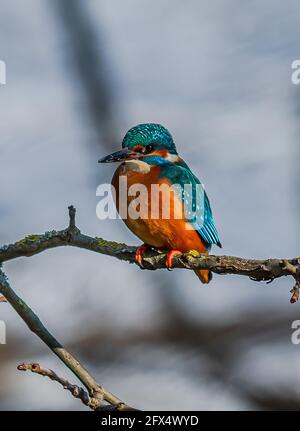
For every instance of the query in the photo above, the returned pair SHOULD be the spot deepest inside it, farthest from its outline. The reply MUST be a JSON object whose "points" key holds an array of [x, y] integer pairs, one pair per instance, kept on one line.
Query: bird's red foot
{"points": [[139, 253], [170, 255]]}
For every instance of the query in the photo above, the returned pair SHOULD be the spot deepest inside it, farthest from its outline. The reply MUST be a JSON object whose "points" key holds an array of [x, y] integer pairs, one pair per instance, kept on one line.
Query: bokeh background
{"points": [[218, 76]]}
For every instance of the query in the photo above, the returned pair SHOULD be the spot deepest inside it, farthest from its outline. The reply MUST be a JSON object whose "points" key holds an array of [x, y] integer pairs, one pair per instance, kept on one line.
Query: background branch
{"points": [[96, 391]]}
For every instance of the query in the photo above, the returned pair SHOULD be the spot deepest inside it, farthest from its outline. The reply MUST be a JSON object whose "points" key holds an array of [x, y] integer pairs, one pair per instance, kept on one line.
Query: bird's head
{"points": [[145, 141]]}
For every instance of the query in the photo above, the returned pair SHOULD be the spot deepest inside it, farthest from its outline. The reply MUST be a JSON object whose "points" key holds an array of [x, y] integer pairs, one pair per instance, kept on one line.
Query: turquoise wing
{"points": [[196, 203]]}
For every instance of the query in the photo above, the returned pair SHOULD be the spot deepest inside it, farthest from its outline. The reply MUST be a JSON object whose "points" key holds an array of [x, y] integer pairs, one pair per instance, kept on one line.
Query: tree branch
{"points": [[258, 270]]}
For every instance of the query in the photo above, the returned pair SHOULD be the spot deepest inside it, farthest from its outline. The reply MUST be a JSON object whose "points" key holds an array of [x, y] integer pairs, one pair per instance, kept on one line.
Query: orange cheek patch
{"points": [[161, 153]]}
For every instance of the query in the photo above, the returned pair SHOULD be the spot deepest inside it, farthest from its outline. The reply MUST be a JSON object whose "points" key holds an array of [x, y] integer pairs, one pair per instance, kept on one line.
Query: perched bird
{"points": [[149, 157]]}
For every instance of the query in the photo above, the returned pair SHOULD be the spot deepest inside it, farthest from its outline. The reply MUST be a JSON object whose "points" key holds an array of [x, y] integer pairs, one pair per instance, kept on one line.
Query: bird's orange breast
{"points": [[161, 222]]}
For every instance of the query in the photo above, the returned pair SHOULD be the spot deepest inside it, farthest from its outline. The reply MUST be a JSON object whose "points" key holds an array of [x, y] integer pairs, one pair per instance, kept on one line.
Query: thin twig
{"points": [[76, 391]]}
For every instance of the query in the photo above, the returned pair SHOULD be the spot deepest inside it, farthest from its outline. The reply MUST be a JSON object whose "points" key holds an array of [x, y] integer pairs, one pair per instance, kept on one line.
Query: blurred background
{"points": [[218, 76]]}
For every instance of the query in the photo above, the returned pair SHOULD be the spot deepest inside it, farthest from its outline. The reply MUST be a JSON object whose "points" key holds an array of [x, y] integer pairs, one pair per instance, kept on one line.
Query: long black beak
{"points": [[120, 156]]}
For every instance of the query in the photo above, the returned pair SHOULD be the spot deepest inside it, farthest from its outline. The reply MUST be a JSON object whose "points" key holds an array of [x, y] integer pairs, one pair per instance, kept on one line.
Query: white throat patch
{"points": [[137, 166], [172, 158]]}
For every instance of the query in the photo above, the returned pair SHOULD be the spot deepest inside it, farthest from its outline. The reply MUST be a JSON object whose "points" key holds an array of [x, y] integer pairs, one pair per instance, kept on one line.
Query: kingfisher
{"points": [[149, 158]]}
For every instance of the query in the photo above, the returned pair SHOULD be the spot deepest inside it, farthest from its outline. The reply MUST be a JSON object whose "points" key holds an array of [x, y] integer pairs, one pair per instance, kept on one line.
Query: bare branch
{"points": [[258, 270]]}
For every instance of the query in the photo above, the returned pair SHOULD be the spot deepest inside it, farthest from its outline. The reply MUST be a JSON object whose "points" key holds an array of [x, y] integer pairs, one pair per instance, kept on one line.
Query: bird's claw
{"points": [[139, 254], [169, 258]]}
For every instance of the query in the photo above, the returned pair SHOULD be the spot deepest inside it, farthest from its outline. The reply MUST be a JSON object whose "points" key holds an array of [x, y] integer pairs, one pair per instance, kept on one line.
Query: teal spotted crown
{"points": [[149, 134]]}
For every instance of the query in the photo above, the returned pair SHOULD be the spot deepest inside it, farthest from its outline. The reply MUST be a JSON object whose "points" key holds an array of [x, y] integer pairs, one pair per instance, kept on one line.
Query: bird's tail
{"points": [[204, 275]]}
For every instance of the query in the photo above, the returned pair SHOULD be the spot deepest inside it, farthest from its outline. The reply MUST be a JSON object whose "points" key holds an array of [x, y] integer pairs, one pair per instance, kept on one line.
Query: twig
{"points": [[76, 391]]}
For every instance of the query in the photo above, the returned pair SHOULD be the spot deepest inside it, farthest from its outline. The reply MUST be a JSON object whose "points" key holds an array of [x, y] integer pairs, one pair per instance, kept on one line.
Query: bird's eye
{"points": [[149, 148]]}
